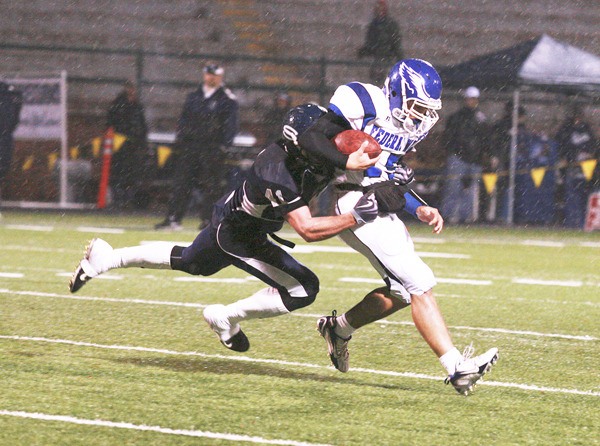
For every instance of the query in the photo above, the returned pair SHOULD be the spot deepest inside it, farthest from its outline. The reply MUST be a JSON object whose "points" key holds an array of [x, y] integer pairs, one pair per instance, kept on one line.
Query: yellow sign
{"points": [[588, 168], [28, 162], [163, 153], [52, 160], [96, 144], [118, 141], [537, 175], [489, 181]]}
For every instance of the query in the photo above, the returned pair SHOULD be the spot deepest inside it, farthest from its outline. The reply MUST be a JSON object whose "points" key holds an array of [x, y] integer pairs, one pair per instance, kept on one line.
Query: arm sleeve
{"points": [[316, 141], [411, 204]]}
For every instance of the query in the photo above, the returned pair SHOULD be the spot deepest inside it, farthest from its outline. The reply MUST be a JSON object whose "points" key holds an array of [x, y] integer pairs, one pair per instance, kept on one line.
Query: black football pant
{"points": [[217, 247]]}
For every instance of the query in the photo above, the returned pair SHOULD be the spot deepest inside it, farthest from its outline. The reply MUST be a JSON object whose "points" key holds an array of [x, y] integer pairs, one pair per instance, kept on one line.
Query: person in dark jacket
{"points": [[126, 117], [383, 42], [208, 122], [11, 101], [576, 143], [464, 139], [496, 159]]}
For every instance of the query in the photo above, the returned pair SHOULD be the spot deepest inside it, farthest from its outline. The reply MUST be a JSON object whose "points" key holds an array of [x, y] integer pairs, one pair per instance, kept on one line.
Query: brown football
{"points": [[349, 141]]}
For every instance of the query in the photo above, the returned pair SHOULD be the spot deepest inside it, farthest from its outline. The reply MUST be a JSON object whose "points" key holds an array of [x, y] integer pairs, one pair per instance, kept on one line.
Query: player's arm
{"points": [[417, 207], [314, 229], [316, 141]]}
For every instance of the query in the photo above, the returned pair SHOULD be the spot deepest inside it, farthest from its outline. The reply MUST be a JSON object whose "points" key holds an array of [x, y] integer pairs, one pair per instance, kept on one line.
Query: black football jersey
{"points": [[276, 185]]}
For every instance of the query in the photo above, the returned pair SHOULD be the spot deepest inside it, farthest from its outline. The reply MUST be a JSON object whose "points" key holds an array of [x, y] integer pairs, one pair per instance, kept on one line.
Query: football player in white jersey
{"points": [[398, 116]]}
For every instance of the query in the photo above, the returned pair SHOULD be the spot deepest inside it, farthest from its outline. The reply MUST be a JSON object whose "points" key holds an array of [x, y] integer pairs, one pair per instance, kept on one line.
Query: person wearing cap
{"points": [[209, 121], [464, 139]]}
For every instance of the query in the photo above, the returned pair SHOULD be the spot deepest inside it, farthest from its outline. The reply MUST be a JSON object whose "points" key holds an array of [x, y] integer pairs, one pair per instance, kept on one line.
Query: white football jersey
{"points": [[366, 108]]}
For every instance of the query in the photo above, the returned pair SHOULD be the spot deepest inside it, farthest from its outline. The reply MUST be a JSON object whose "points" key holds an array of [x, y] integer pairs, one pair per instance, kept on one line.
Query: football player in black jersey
{"points": [[281, 183]]}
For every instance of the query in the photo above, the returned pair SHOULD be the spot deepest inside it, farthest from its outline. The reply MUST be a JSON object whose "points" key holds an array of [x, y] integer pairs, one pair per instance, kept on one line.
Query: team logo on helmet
{"points": [[414, 90]]}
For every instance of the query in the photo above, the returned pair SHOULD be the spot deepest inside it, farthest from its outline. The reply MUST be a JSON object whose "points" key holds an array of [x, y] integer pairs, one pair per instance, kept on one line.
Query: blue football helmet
{"points": [[299, 119], [414, 90]]}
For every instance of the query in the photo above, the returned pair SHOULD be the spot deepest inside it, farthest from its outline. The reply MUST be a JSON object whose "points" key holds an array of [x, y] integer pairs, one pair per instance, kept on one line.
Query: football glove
{"points": [[402, 174], [366, 209]]}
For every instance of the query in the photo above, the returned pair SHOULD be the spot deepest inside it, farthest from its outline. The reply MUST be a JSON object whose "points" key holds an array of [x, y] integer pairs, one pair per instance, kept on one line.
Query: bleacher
{"points": [[443, 33], [101, 44]]}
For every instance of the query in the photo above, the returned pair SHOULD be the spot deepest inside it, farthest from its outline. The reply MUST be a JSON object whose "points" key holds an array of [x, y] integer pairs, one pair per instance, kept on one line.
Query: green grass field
{"points": [[129, 360]]}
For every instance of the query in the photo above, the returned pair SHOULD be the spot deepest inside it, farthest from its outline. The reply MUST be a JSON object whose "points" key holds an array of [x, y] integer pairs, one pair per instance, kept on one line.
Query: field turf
{"points": [[128, 360]]}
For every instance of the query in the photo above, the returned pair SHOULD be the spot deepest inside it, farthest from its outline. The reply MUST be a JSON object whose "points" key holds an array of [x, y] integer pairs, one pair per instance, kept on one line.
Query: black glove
{"points": [[389, 196], [402, 174], [366, 209]]}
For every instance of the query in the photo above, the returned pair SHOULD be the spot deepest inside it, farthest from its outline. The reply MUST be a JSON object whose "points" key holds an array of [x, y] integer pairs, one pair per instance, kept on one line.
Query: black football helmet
{"points": [[299, 119]]}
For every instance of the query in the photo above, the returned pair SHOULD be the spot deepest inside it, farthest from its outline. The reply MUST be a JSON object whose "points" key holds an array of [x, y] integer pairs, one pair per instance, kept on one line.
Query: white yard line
{"points": [[209, 280], [439, 279], [296, 314], [11, 275], [531, 387], [565, 283], [98, 230], [543, 243], [158, 429], [37, 228]]}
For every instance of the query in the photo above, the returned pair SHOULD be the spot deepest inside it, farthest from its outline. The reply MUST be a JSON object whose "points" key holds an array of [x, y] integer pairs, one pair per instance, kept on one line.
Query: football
{"points": [[349, 141]]}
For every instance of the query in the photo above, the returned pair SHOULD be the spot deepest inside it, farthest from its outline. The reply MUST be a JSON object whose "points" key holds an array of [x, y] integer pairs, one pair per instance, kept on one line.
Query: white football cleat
{"points": [[470, 370], [337, 347], [231, 336], [96, 260]]}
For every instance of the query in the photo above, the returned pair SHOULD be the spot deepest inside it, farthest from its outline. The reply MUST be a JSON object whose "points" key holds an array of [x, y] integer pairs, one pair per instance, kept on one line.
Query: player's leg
{"points": [[291, 284], [203, 257], [337, 330], [389, 247], [99, 257]]}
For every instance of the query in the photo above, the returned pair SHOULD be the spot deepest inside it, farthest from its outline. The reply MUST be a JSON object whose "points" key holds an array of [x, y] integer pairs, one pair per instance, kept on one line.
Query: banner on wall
{"points": [[43, 108]]}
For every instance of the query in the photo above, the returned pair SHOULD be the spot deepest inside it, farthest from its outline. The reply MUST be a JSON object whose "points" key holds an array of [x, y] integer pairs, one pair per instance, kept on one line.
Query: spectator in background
{"points": [[383, 42], [126, 117], [576, 143], [496, 159], [273, 117], [11, 101], [208, 122], [533, 204], [464, 139]]}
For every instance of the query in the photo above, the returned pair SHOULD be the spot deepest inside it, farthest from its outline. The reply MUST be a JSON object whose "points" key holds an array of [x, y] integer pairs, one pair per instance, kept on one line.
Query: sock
{"points": [[343, 329], [262, 304], [450, 359], [152, 255]]}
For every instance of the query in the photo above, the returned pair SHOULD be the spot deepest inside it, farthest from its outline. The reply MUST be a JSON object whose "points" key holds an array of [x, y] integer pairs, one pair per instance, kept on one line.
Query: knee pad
{"points": [[293, 303], [310, 284]]}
